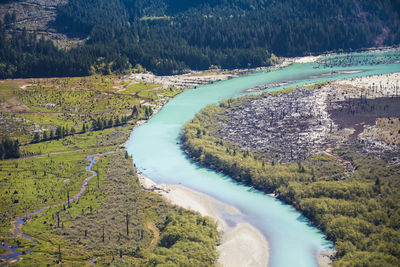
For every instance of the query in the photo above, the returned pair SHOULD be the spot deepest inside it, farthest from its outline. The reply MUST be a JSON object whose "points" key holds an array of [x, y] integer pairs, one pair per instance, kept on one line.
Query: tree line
{"points": [[173, 36], [9, 149], [359, 214], [96, 125], [101, 123]]}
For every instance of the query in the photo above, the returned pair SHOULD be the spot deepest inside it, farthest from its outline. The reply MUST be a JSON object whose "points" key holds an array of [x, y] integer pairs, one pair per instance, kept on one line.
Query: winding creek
{"points": [[157, 153], [17, 225], [155, 147]]}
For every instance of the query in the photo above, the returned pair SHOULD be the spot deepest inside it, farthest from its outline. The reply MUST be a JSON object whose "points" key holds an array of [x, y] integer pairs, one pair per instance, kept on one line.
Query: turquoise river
{"points": [[156, 151]]}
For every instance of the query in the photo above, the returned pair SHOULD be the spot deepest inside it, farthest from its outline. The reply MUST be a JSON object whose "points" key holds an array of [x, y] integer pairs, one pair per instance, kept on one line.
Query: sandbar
{"points": [[241, 245]]}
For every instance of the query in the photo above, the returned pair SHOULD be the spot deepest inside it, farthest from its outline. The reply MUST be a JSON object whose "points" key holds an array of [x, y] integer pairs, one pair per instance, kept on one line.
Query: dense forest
{"points": [[9, 149], [173, 36], [360, 214]]}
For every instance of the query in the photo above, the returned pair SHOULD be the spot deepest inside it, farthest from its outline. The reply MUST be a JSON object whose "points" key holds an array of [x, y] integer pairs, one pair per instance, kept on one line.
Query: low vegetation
{"points": [[46, 109], [114, 222], [109, 225], [359, 212]]}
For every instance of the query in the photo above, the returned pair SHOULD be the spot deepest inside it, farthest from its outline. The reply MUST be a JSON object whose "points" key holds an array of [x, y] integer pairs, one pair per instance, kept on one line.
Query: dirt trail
{"points": [[48, 154], [348, 166], [156, 233]]}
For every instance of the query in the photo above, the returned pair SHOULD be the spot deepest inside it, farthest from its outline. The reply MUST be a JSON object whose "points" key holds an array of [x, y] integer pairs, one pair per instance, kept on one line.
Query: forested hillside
{"points": [[171, 36]]}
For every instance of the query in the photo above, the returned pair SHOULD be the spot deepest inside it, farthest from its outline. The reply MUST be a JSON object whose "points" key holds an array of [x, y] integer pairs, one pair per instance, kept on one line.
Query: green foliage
{"points": [[186, 241], [169, 37], [137, 87], [56, 108], [148, 95], [49, 99], [115, 222], [30, 184], [95, 226], [58, 166], [138, 69], [360, 214], [9, 149], [110, 67], [6, 91]]}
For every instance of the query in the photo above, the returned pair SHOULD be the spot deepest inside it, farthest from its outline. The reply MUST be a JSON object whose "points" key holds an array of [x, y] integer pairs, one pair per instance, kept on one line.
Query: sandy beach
{"points": [[325, 258], [241, 245]]}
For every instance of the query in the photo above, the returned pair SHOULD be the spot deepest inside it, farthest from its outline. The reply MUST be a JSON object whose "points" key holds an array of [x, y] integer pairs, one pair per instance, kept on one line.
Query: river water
{"points": [[157, 154]]}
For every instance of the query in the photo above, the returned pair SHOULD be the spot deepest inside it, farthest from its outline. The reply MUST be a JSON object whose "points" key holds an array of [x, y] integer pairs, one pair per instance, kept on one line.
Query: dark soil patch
{"points": [[356, 113]]}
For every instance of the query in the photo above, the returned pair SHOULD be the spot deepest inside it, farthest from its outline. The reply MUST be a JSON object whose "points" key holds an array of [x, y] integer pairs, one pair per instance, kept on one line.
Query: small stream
{"points": [[155, 147], [13, 253]]}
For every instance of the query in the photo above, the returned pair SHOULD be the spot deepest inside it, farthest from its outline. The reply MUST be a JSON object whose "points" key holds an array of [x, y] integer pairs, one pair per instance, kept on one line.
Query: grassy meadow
{"points": [[115, 222], [30, 106]]}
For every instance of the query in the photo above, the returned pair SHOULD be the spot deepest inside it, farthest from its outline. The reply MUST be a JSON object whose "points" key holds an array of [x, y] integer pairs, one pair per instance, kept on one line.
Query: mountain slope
{"points": [[170, 36]]}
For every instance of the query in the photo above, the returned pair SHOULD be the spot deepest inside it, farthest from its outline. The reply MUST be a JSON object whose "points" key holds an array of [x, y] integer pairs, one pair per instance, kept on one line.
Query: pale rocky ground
{"points": [[243, 245], [291, 129], [36, 17], [185, 81], [384, 134], [309, 59], [297, 124], [194, 79], [385, 85], [325, 259]]}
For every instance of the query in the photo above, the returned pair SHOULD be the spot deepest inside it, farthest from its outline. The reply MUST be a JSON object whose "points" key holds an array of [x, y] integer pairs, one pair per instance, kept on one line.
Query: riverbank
{"points": [[231, 139], [195, 79], [241, 244], [287, 61], [371, 87], [325, 258], [57, 171]]}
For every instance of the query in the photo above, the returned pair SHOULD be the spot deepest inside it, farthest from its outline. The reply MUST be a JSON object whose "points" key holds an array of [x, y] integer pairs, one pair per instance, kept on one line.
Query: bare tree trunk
{"points": [[127, 224], [68, 198]]}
